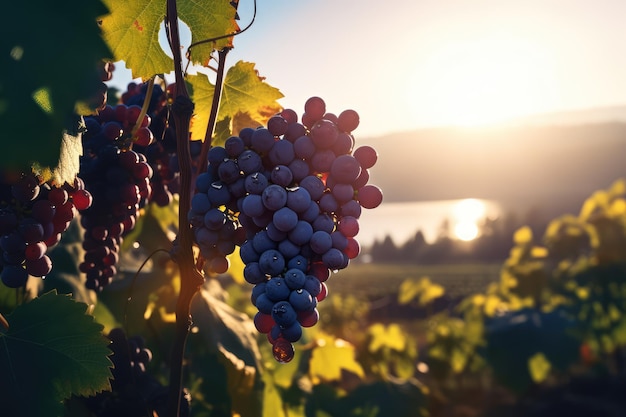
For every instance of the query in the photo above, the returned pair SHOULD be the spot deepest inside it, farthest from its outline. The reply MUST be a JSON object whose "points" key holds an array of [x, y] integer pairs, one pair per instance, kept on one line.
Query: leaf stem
{"points": [[144, 108]]}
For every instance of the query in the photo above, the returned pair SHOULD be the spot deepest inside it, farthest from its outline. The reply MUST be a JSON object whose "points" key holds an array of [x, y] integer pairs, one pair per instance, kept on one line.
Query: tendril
{"points": [[132, 284], [217, 38]]}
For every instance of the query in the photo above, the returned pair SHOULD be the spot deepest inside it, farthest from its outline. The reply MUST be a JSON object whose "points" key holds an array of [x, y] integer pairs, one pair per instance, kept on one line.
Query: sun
{"points": [[466, 230], [483, 81]]}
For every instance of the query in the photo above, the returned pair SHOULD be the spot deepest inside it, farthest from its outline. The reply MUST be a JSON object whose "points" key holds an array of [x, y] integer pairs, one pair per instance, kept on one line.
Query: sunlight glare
{"points": [[467, 213]]}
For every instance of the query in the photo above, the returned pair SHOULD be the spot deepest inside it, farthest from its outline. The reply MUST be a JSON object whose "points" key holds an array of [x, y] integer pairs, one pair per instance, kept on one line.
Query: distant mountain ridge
{"points": [[603, 114], [553, 161]]}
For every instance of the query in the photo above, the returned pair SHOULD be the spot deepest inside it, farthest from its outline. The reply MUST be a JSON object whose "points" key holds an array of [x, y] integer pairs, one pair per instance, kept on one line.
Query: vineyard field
{"points": [[377, 280]]}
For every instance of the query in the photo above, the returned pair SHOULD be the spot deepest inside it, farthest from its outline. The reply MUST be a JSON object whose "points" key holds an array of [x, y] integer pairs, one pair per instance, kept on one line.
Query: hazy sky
{"points": [[406, 64], [410, 63]]}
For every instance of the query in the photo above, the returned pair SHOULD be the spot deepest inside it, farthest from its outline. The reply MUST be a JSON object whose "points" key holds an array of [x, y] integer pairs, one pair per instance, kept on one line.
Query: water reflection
{"points": [[460, 219], [467, 215]]}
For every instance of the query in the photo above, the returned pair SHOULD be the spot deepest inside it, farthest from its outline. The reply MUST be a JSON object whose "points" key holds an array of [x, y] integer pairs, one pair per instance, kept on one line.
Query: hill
{"points": [[521, 166]]}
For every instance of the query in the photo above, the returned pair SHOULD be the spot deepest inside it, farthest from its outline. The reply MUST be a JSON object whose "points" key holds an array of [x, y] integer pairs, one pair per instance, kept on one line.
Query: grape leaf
{"points": [[46, 69], [244, 92], [69, 161], [330, 357], [132, 31], [51, 351], [207, 20], [390, 337], [539, 367], [230, 335]]}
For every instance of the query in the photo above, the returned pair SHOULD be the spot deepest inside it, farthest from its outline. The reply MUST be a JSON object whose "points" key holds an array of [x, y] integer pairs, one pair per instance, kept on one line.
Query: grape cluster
{"points": [[119, 180], [296, 190], [162, 152], [32, 218], [134, 392]]}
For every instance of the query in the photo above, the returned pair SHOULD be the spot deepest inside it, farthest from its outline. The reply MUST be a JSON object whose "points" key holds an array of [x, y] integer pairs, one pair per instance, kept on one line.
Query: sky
{"points": [[410, 64]]}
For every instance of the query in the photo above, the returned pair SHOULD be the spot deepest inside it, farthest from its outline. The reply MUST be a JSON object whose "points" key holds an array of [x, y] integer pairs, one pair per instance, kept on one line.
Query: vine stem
{"points": [[215, 104], [191, 279]]}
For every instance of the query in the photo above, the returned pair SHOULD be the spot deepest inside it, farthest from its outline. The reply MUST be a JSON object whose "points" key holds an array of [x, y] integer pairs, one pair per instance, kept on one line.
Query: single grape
{"points": [[366, 155], [277, 125], [348, 120], [370, 196], [315, 107], [283, 350]]}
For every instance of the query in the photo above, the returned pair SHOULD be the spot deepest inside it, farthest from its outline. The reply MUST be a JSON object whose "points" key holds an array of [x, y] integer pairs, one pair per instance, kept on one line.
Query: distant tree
{"points": [[410, 251], [385, 251]]}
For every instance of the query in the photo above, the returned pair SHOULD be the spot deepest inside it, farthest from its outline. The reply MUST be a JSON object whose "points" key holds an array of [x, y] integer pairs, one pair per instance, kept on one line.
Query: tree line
{"points": [[492, 245]]}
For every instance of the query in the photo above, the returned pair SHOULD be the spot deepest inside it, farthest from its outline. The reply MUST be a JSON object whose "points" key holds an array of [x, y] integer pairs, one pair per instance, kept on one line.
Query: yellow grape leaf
{"points": [[539, 252], [247, 92], [201, 92], [423, 289], [430, 292], [523, 236], [390, 337], [617, 208], [330, 358], [618, 188], [409, 289], [244, 92], [458, 360], [539, 367], [132, 28]]}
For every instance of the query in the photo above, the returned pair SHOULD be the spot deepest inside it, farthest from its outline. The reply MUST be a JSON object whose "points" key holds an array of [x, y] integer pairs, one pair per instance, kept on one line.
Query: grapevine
{"points": [[288, 195]]}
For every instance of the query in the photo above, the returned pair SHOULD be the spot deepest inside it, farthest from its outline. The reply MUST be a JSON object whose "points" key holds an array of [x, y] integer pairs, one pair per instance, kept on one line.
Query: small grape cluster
{"points": [[296, 190], [162, 153], [32, 218], [119, 180], [134, 392]]}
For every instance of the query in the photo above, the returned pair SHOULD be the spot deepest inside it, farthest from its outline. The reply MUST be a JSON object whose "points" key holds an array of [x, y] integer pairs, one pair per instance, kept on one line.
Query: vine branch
{"points": [[191, 278]]}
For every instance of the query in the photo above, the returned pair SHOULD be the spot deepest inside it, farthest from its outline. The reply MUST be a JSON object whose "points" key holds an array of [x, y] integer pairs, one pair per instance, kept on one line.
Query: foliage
{"points": [[65, 350], [244, 96], [551, 301], [132, 32], [37, 106]]}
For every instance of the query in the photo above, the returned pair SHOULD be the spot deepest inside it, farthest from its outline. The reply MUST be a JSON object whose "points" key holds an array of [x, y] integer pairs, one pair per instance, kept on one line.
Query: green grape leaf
{"points": [[132, 31], [207, 20], [244, 92], [67, 168], [52, 350], [330, 358], [229, 336], [46, 70]]}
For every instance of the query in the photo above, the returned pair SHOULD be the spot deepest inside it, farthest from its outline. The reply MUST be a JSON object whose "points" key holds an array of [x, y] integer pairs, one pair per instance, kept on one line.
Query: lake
{"points": [[401, 220]]}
